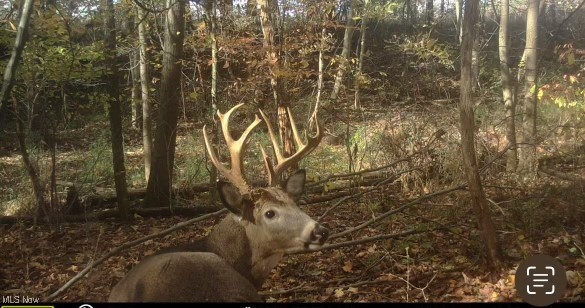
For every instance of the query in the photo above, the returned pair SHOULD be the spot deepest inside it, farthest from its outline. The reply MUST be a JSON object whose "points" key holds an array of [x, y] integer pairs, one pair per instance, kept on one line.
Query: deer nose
{"points": [[319, 234]]}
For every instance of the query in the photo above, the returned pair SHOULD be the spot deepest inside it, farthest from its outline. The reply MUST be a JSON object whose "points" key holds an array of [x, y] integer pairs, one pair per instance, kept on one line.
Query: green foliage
{"points": [[97, 167], [568, 93], [426, 49], [190, 168]]}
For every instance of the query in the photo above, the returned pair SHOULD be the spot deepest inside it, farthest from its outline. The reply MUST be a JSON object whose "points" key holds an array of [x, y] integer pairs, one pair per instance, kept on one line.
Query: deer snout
{"points": [[319, 234]]}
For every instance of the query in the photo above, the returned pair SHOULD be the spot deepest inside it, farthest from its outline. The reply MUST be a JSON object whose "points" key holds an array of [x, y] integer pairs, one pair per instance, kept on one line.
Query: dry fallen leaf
{"points": [[573, 278], [339, 293], [348, 267]]}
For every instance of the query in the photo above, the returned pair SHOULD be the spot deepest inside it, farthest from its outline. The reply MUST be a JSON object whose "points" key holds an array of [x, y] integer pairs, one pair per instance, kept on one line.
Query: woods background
{"points": [[454, 145]]}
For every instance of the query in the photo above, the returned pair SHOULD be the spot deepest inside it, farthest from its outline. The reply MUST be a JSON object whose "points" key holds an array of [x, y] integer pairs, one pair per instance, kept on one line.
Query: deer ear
{"points": [[230, 197], [295, 184], [233, 201]]}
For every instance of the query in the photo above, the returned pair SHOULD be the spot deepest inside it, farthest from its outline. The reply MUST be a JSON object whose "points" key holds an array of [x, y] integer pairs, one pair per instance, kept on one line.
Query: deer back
{"points": [[184, 277]]}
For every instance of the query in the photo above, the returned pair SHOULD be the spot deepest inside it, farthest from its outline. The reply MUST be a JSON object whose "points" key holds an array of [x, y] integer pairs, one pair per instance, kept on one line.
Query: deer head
{"points": [[273, 221]]}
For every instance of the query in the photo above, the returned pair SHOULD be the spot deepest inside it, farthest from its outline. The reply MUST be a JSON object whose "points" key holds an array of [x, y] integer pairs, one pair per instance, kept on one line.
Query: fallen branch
{"points": [[363, 192], [125, 246], [113, 213], [325, 198], [357, 242], [561, 175], [436, 135], [313, 289], [396, 210], [109, 196]]}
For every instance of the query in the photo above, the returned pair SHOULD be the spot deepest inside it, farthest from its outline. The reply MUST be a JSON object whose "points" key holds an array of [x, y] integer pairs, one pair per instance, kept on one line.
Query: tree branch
{"points": [[358, 241], [396, 210], [569, 17], [145, 8], [12, 65]]}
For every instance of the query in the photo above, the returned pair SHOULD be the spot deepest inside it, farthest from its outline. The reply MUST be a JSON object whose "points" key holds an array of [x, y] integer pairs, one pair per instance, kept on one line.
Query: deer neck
{"points": [[244, 252]]}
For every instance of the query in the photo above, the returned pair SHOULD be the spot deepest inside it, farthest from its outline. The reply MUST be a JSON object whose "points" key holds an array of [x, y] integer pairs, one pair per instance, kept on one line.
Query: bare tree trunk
{"points": [[135, 91], [345, 52], [146, 102], [357, 103], [430, 11], [251, 7], [459, 18], [467, 119], [527, 148], [43, 209], [159, 189], [553, 13], [12, 65], [267, 9], [327, 11], [212, 16], [322, 49], [412, 11], [507, 87], [114, 109], [475, 65]]}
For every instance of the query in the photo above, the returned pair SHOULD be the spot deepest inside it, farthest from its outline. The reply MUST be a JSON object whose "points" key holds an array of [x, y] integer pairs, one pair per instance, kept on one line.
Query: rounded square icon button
{"points": [[541, 280]]}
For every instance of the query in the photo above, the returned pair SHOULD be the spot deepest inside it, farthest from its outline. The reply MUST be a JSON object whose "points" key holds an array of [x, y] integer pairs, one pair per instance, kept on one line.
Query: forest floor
{"points": [[442, 262]]}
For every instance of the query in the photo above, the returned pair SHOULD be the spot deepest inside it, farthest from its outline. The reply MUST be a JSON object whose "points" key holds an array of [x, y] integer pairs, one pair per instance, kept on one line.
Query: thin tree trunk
{"points": [[475, 65], [322, 48], [146, 102], [267, 9], [345, 52], [459, 18], [251, 7], [158, 191], [413, 11], [467, 119], [213, 20], [114, 109], [12, 65], [507, 87], [327, 12], [430, 11], [43, 209], [357, 103], [135, 92], [527, 148]]}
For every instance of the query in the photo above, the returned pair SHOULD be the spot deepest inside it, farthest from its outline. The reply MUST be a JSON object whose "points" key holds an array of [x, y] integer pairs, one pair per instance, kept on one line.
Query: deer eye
{"points": [[269, 214]]}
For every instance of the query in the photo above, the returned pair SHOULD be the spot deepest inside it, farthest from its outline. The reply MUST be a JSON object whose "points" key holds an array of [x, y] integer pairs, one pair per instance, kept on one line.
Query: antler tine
{"points": [[237, 148], [275, 172]]}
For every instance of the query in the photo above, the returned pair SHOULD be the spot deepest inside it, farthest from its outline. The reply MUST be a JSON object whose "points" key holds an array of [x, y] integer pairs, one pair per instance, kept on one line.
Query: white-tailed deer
{"points": [[232, 262]]}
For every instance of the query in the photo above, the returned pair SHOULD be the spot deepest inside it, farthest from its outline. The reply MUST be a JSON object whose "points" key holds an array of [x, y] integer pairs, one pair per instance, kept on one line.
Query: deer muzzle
{"points": [[319, 235]]}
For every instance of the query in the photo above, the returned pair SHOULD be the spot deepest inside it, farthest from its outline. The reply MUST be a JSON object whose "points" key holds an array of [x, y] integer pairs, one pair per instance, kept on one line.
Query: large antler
{"points": [[237, 148], [275, 172]]}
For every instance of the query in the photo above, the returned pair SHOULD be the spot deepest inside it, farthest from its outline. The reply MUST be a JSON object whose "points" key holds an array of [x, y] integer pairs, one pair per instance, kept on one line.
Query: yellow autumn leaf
{"points": [[339, 293], [573, 79], [571, 58]]}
